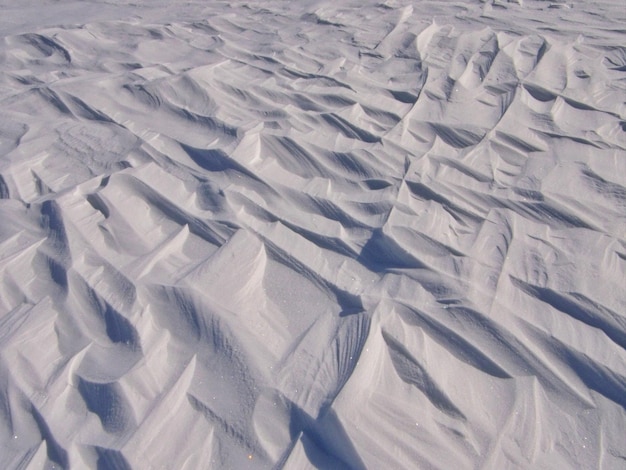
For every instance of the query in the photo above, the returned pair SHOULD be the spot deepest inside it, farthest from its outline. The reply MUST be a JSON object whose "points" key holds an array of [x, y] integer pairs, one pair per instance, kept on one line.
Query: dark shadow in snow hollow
{"points": [[325, 440]]}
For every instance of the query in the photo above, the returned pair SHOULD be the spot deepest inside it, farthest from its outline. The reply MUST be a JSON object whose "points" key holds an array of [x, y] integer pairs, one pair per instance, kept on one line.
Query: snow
{"points": [[312, 234]]}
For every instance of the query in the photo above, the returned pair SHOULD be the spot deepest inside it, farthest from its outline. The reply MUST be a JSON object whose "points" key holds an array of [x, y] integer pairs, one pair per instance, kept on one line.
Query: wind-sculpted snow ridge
{"points": [[313, 235]]}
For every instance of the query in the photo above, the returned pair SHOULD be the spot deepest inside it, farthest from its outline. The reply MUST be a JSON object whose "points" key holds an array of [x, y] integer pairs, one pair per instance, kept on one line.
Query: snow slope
{"points": [[312, 235]]}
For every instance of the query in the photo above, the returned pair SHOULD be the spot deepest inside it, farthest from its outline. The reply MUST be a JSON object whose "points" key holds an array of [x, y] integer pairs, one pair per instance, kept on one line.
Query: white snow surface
{"points": [[312, 234]]}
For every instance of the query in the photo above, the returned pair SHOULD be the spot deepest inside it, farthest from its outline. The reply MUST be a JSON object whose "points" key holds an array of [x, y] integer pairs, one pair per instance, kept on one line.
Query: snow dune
{"points": [[312, 235]]}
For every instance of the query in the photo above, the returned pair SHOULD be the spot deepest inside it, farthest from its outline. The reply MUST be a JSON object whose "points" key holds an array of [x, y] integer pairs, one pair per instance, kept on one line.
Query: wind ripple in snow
{"points": [[269, 235]]}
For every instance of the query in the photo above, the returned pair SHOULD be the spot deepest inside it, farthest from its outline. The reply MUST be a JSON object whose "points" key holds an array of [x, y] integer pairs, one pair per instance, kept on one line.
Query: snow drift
{"points": [[312, 235]]}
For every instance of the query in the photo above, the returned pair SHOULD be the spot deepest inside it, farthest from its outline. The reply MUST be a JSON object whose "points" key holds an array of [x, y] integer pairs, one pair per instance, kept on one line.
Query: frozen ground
{"points": [[316, 234]]}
